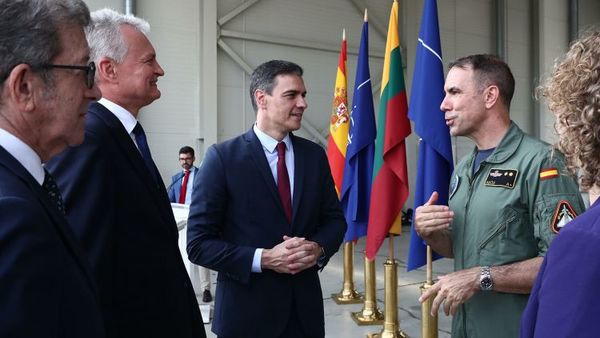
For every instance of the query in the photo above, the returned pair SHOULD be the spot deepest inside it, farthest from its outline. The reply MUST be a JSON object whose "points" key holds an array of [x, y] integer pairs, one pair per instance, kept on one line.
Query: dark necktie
{"points": [[283, 182], [52, 189], [183, 190], [142, 143]]}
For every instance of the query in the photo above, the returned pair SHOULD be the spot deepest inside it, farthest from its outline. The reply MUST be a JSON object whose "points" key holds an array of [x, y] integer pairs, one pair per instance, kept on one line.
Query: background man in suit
{"points": [[265, 215], [116, 201], [46, 84], [180, 191]]}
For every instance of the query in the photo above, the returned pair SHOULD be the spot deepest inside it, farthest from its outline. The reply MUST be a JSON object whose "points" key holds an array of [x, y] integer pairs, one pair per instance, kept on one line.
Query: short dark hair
{"points": [[263, 77], [29, 31], [186, 150], [489, 70]]}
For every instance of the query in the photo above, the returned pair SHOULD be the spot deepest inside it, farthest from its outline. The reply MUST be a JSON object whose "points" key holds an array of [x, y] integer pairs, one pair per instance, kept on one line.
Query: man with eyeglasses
{"points": [[116, 200], [45, 279], [180, 191]]}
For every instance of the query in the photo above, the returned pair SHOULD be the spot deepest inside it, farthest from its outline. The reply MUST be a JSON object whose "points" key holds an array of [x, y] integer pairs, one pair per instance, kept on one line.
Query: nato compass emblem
{"points": [[454, 185]]}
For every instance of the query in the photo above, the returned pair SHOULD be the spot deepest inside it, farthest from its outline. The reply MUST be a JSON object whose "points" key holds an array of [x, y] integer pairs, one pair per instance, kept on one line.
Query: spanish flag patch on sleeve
{"points": [[548, 173]]}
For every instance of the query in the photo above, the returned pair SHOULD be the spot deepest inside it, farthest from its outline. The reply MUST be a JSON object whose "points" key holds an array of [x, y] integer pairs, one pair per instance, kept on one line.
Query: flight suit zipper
{"points": [[466, 213]]}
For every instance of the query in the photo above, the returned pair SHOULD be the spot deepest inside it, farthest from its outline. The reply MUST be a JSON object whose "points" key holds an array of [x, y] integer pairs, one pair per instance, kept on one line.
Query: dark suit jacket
{"points": [[46, 286], [237, 209], [125, 222], [176, 181]]}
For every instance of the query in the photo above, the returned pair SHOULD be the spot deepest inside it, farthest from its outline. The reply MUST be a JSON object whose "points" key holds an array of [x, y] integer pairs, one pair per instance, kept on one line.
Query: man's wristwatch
{"points": [[485, 279]]}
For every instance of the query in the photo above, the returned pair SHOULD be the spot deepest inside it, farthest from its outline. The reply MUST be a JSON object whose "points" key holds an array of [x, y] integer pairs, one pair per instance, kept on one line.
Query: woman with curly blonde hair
{"points": [[565, 300]]}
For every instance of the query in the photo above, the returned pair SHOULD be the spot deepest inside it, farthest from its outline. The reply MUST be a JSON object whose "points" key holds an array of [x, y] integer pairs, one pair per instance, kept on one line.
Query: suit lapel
{"points": [[177, 186], [299, 167], [58, 220], [260, 160], [124, 141]]}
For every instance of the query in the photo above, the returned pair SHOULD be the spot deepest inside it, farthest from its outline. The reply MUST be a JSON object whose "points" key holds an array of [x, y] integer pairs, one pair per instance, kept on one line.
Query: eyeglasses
{"points": [[90, 71]]}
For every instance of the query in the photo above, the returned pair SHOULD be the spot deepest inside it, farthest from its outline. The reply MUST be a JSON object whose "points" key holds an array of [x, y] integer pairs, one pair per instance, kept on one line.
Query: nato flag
{"points": [[358, 170], [435, 164]]}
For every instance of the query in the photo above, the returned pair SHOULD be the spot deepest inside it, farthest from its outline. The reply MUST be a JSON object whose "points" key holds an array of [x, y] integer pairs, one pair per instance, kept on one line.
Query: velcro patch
{"points": [[563, 214], [548, 173], [505, 178]]}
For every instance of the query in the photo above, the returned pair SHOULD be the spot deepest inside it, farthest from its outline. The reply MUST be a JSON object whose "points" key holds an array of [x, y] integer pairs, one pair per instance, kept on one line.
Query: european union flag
{"points": [[435, 164], [358, 170]]}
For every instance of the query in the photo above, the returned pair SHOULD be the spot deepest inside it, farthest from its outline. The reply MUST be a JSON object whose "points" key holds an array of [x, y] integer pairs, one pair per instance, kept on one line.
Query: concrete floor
{"points": [[339, 324]]}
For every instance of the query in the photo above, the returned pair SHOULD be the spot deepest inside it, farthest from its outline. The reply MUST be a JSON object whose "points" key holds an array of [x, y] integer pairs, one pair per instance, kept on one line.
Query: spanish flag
{"points": [[390, 175], [339, 122]]}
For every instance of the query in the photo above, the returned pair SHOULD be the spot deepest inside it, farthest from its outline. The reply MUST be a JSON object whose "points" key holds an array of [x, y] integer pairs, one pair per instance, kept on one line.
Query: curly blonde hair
{"points": [[573, 95]]}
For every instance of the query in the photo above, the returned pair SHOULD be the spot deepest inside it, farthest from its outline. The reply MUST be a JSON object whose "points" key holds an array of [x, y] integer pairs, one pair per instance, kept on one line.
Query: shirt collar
{"points": [[127, 119], [270, 143], [192, 168], [23, 153], [508, 145]]}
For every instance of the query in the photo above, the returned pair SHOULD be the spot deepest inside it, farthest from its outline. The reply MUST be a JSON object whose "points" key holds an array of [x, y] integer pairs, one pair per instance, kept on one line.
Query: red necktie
{"points": [[283, 182], [183, 190]]}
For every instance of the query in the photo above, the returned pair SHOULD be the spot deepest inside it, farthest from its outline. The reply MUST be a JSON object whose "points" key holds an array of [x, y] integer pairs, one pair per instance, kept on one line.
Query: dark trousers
{"points": [[293, 328]]}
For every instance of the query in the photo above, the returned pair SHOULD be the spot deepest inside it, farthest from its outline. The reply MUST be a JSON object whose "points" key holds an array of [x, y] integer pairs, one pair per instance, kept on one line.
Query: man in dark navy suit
{"points": [[115, 198], [266, 216], [180, 191], [46, 83]]}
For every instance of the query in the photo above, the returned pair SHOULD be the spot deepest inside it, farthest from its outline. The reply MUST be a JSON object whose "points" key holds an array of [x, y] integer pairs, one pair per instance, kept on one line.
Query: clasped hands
{"points": [[291, 256]]}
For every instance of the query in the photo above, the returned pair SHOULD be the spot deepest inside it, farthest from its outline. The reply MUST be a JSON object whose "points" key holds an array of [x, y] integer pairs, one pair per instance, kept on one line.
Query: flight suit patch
{"points": [[546, 174], [563, 214], [505, 178], [454, 185]]}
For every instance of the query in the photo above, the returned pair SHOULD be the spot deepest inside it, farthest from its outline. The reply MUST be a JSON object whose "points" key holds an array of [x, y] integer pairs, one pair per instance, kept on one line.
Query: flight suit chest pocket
{"points": [[506, 241]]}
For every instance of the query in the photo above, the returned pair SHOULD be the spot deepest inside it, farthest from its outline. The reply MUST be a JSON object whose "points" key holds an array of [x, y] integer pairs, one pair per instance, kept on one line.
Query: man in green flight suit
{"points": [[507, 200]]}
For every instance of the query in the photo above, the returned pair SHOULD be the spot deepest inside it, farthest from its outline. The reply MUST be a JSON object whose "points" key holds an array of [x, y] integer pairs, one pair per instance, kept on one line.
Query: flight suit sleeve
{"points": [[554, 196]]}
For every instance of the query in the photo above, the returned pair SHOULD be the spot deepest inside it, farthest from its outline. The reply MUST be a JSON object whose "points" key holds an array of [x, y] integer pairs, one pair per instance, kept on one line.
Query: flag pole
{"points": [[429, 266], [391, 324], [348, 294], [370, 314], [391, 246], [429, 323], [390, 173]]}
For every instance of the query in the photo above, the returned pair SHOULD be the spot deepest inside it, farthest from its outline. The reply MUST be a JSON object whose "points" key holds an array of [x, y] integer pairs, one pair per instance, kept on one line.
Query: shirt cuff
{"points": [[322, 259], [256, 260]]}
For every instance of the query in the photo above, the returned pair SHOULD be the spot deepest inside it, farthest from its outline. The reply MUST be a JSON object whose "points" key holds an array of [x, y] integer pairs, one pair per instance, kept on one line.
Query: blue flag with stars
{"points": [[435, 164], [358, 170]]}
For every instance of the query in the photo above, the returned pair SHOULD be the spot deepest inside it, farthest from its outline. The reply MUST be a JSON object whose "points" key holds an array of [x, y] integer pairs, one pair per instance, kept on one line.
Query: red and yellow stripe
{"points": [[339, 122], [546, 174]]}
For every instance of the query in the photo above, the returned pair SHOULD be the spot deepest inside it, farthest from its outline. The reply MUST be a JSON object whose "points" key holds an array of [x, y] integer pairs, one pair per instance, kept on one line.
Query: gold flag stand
{"points": [[370, 314], [429, 323], [391, 324], [348, 295]]}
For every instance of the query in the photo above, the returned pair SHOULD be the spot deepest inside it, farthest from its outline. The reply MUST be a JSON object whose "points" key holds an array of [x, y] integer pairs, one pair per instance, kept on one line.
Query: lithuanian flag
{"points": [[390, 176], [339, 122]]}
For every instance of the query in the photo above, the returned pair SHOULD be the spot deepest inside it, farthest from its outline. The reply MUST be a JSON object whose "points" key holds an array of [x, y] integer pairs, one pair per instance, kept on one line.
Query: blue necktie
{"points": [[52, 189], [140, 139]]}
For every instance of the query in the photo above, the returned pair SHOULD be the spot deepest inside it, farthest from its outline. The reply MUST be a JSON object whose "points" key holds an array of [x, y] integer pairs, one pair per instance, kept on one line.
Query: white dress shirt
{"points": [[23, 153], [127, 119], [269, 145]]}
